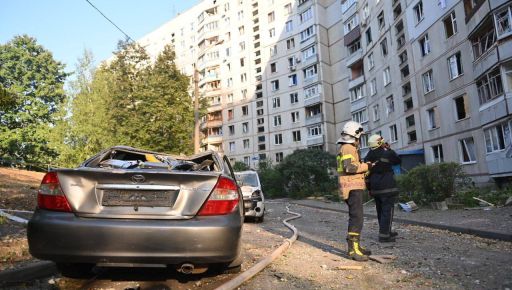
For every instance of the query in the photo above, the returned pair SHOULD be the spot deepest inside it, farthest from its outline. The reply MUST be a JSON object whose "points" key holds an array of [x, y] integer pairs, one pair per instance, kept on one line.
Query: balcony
{"points": [[312, 100], [356, 82], [318, 118], [213, 123], [476, 16], [310, 60], [214, 107], [495, 109], [505, 49], [354, 57], [314, 140], [352, 36], [485, 61], [212, 139], [311, 80]]}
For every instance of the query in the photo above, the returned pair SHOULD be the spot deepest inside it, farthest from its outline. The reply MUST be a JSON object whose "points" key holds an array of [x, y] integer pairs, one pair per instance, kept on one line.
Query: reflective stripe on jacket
{"points": [[350, 170]]}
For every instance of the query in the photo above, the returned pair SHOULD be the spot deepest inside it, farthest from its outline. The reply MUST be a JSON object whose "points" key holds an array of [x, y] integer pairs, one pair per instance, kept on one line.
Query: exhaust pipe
{"points": [[186, 268]]}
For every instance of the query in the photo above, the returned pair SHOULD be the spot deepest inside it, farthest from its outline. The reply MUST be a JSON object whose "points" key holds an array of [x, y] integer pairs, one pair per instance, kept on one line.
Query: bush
{"points": [[432, 183], [240, 166], [301, 174], [495, 196]]}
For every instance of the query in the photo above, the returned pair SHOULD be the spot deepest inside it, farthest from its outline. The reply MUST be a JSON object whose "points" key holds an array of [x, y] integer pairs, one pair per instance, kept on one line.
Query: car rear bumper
{"points": [[64, 237]]}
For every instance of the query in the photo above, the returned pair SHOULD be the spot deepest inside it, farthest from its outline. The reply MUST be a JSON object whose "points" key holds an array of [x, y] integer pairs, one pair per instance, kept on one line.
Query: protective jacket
{"points": [[381, 177], [350, 170]]}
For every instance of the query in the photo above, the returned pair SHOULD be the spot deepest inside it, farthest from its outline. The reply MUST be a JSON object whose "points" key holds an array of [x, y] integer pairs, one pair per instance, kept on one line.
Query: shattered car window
{"points": [[247, 179]]}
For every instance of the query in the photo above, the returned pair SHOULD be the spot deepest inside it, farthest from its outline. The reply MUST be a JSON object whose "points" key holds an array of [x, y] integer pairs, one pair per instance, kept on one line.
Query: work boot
{"points": [[387, 238], [393, 234], [362, 249], [354, 251]]}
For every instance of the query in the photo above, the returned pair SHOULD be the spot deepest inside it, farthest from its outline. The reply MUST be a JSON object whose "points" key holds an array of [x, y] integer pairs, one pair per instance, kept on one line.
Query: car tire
{"points": [[75, 270], [260, 219]]}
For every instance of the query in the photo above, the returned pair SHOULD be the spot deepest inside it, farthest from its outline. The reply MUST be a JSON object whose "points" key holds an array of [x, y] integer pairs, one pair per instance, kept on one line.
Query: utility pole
{"points": [[196, 110]]}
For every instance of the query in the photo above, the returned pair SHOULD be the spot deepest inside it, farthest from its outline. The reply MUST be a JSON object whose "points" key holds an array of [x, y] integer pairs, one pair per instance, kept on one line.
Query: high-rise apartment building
{"points": [[433, 77]]}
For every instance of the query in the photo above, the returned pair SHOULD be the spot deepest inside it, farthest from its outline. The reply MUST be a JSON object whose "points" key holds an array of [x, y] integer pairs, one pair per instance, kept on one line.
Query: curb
{"points": [[456, 229], [28, 272]]}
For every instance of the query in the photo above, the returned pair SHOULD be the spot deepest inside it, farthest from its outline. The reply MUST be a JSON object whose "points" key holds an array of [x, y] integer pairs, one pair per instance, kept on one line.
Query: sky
{"points": [[67, 27]]}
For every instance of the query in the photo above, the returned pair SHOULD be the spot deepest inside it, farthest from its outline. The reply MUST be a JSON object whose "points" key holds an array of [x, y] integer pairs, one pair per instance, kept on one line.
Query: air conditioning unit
{"points": [[292, 68], [297, 59]]}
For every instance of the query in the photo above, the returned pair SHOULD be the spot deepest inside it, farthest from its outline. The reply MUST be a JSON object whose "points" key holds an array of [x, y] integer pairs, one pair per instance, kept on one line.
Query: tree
{"points": [[33, 83], [240, 166]]}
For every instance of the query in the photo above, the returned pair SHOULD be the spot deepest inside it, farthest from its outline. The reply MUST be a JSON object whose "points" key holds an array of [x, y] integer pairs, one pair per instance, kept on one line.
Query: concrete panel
{"points": [[497, 3], [505, 49], [485, 62], [496, 109], [477, 18]]}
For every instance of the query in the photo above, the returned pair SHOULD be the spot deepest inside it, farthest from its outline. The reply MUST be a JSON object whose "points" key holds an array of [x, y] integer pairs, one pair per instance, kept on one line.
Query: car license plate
{"points": [[115, 197]]}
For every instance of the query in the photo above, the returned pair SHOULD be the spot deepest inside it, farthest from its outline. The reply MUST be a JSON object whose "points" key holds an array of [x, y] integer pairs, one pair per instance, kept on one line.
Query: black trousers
{"points": [[355, 211], [385, 205]]}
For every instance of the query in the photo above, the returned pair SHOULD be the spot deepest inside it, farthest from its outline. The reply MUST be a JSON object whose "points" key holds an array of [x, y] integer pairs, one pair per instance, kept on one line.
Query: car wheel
{"points": [[75, 270], [260, 219]]}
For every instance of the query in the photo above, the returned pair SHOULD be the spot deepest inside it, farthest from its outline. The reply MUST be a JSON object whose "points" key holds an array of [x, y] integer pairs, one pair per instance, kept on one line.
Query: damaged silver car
{"points": [[254, 200], [126, 206]]}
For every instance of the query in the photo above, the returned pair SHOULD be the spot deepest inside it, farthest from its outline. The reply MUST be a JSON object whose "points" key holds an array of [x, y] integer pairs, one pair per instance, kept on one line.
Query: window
{"points": [[450, 25], [433, 118], [242, 62], [295, 117], [483, 42], [230, 114], [311, 92], [363, 141], [245, 127], [360, 116], [241, 30], [261, 138], [231, 146], [503, 22], [259, 112], [289, 26], [380, 20], [409, 121], [296, 136], [246, 143], [244, 94], [310, 72], [291, 62], [393, 134], [307, 33], [390, 105], [424, 45], [314, 131], [278, 139], [437, 153], [461, 107], [386, 76], [428, 82], [273, 50], [288, 8], [345, 5], [371, 61], [245, 110], [231, 130], [294, 98], [384, 47], [467, 150], [418, 12], [497, 137], [455, 65], [313, 111], [271, 17], [309, 52], [276, 102], [261, 129], [403, 57], [260, 121], [273, 67], [277, 120], [275, 85], [373, 87], [241, 45], [351, 24], [412, 136], [279, 157], [261, 147], [489, 86], [290, 43], [272, 32], [306, 15], [292, 80], [354, 47], [408, 104], [247, 160], [376, 115], [356, 93], [406, 89], [243, 77], [368, 36]]}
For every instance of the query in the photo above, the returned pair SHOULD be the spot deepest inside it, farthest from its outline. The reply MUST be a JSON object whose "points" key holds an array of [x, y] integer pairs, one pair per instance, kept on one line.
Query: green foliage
{"points": [[130, 101], [31, 82], [495, 196], [303, 173], [432, 183], [240, 166]]}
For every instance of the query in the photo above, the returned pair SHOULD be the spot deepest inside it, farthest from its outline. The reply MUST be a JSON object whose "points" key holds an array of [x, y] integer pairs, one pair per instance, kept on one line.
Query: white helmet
{"points": [[375, 141], [351, 130]]}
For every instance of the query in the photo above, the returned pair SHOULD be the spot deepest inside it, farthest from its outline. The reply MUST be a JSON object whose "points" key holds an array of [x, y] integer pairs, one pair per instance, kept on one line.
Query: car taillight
{"points": [[222, 200], [50, 196]]}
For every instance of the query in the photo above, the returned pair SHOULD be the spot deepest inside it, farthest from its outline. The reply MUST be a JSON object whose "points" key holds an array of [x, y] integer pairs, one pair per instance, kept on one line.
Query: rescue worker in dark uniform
{"points": [[382, 185], [351, 180]]}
